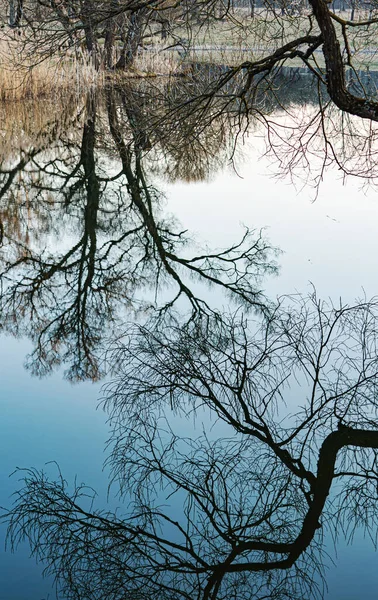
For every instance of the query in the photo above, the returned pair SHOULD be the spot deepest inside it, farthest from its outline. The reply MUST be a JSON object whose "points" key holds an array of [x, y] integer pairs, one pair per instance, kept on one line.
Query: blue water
{"points": [[53, 420], [333, 243], [43, 420]]}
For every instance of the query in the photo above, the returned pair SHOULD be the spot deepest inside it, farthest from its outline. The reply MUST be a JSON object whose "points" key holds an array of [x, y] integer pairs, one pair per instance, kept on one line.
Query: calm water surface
{"points": [[331, 243]]}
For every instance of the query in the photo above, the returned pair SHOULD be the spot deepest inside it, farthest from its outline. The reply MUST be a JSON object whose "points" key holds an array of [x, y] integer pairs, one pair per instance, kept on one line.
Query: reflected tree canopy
{"points": [[240, 511], [284, 391], [119, 252]]}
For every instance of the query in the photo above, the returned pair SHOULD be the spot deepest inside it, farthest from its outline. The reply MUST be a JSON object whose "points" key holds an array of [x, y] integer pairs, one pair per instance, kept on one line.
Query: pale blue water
{"points": [[333, 243], [43, 420]]}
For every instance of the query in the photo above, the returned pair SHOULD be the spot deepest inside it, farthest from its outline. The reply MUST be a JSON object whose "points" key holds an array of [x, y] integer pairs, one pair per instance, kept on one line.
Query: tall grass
{"points": [[50, 79], [155, 60], [33, 124]]}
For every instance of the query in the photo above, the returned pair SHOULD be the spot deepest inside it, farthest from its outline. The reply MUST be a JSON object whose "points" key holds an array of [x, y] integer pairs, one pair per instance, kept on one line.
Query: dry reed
{"points": [[33, 124], [155, 60], [50, 79]]}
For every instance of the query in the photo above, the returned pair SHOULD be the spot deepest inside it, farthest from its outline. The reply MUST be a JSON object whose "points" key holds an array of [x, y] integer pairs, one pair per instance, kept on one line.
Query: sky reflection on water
{"points": [[43, 420], [332, 243]]}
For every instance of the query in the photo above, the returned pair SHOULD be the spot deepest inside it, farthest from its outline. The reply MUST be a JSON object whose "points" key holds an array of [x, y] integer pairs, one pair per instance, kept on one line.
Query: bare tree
{"points": [[53, 28], [318, 38], [243, 515]]}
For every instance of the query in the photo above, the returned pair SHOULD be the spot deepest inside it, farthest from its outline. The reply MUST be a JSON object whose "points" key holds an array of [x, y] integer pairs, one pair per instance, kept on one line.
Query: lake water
{"points": [[330, 243]]}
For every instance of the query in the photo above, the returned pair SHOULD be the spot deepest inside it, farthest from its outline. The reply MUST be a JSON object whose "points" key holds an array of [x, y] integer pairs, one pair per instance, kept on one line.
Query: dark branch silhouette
{"points": [[123, 256], [241, 510]]}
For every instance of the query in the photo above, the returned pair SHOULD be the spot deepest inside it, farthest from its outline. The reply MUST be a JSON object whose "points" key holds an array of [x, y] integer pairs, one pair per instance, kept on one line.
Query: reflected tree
{"points": [[288, 454], [317, 37], [119, 254]]}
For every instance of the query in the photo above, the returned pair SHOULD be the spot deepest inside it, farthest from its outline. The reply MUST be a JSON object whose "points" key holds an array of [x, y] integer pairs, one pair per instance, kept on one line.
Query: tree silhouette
{"points": [[286, 399], [241, 509], [121, 254]]}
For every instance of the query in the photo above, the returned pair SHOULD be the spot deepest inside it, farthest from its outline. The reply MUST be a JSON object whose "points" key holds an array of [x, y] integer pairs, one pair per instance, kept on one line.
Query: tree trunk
{"points": [[353, 10], [336, 80], [133, 39], [15, 12], [109, 43], [90, 38], [12, 13], [110, 29]]}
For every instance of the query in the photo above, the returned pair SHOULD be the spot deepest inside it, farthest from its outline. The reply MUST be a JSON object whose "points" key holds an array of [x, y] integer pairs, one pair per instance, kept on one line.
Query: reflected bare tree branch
{"points": [[121, 253], [285, 393], [241, 509]]}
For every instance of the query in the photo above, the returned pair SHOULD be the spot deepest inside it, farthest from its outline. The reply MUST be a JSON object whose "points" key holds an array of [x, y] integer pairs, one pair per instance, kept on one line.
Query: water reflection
{"points": [[240, 511], [85, 240], [235, 513]]}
